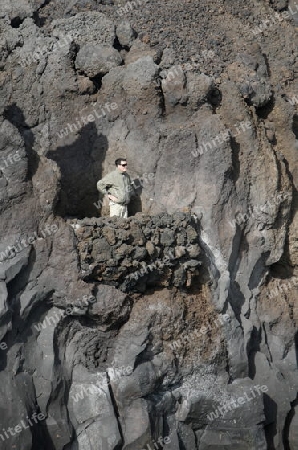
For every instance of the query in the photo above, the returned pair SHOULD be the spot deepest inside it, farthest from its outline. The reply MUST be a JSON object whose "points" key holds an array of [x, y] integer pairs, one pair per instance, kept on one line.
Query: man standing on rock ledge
{"points": [[117, 185]]}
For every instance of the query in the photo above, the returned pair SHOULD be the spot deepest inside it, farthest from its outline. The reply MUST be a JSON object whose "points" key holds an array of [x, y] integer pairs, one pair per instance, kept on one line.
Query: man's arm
{"points": [[103, 184]]}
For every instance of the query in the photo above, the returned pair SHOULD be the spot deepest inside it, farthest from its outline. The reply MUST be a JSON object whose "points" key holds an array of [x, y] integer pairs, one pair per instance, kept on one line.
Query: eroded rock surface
{"points": [[201, 351]]}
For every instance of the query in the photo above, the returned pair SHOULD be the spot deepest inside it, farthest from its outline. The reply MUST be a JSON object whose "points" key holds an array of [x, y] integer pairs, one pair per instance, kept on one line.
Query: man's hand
{"points": [[112, 198]]}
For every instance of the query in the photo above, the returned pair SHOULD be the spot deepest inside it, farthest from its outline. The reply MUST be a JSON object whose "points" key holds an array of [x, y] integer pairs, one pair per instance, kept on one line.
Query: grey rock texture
{"points": [[94, 60], [144, 252], [125, 34], [201, 353]]}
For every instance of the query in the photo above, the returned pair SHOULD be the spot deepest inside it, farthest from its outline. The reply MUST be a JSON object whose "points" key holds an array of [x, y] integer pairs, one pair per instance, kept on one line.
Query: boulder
{"points": [[94, 60], [126, 34]]}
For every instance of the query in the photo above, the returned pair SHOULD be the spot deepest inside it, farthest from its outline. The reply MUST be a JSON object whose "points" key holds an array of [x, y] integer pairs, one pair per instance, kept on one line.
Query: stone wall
{"points": [[141, 252]]}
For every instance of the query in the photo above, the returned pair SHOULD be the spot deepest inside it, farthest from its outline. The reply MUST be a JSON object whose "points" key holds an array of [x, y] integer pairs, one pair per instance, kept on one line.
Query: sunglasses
{"points": [[123, 165]]}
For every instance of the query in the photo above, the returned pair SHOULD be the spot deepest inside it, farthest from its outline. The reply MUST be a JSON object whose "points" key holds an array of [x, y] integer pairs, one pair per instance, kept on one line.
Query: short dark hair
{"points": [[118, 161]]}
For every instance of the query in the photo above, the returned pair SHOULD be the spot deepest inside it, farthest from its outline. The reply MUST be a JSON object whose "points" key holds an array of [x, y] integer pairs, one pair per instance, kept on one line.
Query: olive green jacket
{"points": [[118, 184]]}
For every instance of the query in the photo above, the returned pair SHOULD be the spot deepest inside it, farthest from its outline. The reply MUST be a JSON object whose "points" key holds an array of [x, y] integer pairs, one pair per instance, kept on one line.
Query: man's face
{"points": [[122, 167]]}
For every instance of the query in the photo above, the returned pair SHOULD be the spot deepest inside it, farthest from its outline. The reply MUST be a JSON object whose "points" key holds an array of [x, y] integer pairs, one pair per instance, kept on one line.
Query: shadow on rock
{"points": [[81, 167]]}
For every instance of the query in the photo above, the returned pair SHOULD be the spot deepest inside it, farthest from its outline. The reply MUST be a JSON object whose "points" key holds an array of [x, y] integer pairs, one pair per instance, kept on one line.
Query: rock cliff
{"points": [[175, 328]]}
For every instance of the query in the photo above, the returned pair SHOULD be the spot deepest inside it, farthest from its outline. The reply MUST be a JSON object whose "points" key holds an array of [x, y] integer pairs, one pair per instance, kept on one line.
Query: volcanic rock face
{"points": [[175, 328]]}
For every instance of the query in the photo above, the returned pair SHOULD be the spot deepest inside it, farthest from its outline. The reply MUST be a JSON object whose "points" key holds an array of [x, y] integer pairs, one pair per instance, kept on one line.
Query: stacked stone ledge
{"points": [[140, 252]]}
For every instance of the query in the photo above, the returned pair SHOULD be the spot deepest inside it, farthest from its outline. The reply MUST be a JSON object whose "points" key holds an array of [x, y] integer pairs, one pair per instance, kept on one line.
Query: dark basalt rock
{"points": [[178, 324]]}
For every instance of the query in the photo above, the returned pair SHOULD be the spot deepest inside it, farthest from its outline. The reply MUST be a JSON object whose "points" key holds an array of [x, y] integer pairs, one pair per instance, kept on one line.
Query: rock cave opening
{"points": [[264, 111], [214, 98], [16, 22], [97, 83]]}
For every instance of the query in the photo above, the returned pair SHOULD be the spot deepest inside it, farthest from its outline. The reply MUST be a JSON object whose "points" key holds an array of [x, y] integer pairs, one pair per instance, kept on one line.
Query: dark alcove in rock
{"points": [[81, 167]]}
